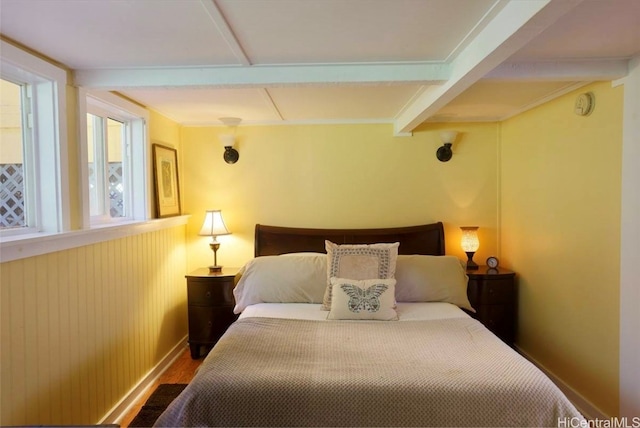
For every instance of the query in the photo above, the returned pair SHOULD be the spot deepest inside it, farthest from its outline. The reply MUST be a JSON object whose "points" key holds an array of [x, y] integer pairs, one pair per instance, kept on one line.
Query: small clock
{"points": [[493, 262], [585, 104]]}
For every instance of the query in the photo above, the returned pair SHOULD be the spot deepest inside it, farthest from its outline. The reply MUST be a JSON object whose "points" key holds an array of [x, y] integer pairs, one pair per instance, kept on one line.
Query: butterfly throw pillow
{"points": [[370, 299], [359, 261]]}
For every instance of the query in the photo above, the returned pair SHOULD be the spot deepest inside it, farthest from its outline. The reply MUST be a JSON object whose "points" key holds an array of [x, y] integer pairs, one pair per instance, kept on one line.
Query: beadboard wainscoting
{"points": [[82, 326]]}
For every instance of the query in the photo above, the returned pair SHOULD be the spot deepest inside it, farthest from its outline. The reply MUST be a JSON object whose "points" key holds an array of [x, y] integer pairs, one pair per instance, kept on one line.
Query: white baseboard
{"points": [[584, 406], [120, 410]]}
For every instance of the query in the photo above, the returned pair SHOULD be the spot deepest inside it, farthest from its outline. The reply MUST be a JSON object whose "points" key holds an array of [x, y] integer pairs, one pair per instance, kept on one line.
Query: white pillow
{"points": [[290, 278], [370, 299], [358, 261], [431, 279]]}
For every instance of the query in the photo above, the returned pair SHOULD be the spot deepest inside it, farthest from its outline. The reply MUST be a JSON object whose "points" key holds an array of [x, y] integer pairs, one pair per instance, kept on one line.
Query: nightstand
{"points": [[210, 304], [492, 293]]}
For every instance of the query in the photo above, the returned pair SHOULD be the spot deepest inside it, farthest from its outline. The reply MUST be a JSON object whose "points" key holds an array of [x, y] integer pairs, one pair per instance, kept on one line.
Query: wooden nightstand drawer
{"points": [[207, 324], [497, 291], [202, 293], [210, 304], [498, 319], [492, 293], [494, 315]]}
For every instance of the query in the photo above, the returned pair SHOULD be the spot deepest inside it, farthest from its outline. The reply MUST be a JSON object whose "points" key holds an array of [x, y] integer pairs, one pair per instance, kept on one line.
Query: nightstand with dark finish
{"points": [[492, 293], [210, 300]]}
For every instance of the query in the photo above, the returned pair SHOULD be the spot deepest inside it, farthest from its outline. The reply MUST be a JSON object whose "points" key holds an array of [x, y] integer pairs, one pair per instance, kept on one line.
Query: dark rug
{"points": [[156, 404]]}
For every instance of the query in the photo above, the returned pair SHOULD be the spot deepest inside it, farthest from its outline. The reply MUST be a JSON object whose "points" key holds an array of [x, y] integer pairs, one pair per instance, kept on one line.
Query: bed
{"points": [[320, 342]]}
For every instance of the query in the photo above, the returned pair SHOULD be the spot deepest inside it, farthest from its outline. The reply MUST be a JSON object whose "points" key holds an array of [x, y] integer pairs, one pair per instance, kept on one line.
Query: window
{"points": [[115, 153], [108, 166], [34, 157], [12, 180], [35, 192]]}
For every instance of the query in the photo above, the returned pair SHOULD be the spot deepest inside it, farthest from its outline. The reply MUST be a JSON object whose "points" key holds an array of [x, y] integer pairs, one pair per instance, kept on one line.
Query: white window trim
{"points": [[50, 135], [54, 233], [49, 84], [139, 117], [14, 248]]}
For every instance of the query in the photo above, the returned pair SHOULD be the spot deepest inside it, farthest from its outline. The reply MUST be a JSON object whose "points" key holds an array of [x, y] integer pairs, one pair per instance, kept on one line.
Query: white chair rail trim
{"points": [[23, 246]]}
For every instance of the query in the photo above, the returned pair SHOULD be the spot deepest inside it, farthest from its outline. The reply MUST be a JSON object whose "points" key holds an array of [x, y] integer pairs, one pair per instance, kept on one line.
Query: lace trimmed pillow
{"points": [[370, 299], [358, 262]]}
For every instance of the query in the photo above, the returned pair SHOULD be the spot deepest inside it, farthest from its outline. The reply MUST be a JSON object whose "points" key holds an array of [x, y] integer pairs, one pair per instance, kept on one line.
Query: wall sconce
{"points": [[231, 155], [214, 226], [470, 244], [445, 153]]}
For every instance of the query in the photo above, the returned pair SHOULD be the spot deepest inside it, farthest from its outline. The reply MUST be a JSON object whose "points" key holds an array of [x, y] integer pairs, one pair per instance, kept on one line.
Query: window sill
{"points": [[22, 246]]}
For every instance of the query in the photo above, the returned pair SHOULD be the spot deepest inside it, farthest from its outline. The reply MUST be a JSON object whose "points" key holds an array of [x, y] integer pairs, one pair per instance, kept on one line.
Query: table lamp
{"points": [[470, 244], [214, 226]]}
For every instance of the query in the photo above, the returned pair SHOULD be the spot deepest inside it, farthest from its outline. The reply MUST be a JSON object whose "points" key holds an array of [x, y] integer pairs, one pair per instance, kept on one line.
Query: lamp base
{"points": [[215, 269], [214, 245], [471, 265]]}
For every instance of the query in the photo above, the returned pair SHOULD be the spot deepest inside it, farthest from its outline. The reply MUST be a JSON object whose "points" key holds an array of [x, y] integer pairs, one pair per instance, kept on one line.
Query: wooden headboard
{"points": [[426, 239]]}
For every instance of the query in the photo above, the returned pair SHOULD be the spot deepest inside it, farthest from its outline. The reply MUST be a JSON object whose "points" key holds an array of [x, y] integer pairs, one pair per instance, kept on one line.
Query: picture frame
{"points": [[165, 179]]}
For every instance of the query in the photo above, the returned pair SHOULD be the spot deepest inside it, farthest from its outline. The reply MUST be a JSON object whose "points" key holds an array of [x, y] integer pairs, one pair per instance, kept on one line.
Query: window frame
{"points": [[54, 233], [101, 161], [48, 181], [136, 118]]}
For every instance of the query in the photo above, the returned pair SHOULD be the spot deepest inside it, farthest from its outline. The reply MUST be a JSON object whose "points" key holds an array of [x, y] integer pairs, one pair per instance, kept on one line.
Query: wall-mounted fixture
{"points": [[470, 244], [214, 226], [445, 153], [228, 140], [230, 155], [585, 103]]}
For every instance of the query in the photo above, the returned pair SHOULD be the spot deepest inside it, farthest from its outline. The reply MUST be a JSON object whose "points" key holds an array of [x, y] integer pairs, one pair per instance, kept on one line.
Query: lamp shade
{"points": [[470, 242], [448, 136], [227, 140], [213, 224]]}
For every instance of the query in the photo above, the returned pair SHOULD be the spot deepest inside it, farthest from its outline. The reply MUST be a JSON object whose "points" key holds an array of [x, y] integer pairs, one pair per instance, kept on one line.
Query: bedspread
{"points": [[449, 372]]}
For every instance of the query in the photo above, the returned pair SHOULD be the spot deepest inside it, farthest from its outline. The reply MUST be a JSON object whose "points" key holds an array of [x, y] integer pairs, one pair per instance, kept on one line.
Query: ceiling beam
{"points": [[517, 23], [572, 70], [263, 76], [214, 12]]}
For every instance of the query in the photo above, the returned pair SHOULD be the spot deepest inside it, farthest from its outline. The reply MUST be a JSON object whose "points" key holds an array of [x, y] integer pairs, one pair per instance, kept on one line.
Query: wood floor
{"points": [[181, 371]]}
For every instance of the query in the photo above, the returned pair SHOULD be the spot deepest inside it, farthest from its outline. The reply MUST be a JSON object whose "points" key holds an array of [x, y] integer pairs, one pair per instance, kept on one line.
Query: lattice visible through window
{"points": [[115, 189], [11, 196], [116, 203]]}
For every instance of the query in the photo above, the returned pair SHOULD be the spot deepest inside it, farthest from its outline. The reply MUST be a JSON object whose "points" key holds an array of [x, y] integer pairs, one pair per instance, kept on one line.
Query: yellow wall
{"points": [[75, 335], [558, 208], [338, 176], [80, 328], [560, 230], [73, 159], [165, 132]]}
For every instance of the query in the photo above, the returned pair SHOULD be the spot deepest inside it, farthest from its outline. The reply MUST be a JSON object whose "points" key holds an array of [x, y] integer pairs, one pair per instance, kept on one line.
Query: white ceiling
{"points": [[320, 61]]}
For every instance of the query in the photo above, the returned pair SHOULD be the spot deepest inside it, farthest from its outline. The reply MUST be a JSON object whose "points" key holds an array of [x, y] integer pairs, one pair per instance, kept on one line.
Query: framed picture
{"points": [[165, 178]]}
